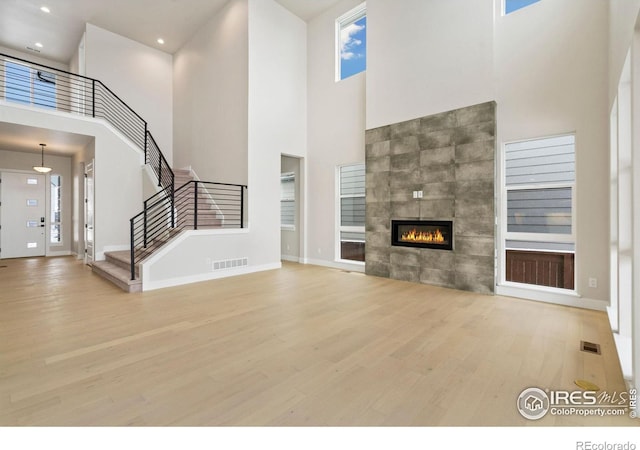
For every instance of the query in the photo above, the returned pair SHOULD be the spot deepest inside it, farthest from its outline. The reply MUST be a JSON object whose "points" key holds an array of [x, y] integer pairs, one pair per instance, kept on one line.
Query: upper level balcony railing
{"points": [[28, 83]]}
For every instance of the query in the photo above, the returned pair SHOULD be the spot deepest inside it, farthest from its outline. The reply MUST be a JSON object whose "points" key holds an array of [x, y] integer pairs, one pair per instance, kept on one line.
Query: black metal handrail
{"points": [[193, 206], [29, 83]]}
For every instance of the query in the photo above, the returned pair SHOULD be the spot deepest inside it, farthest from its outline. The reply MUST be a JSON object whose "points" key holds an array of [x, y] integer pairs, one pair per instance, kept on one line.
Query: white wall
{"points": [[277, 113], [275, 123], [336, 121], [211, 98], [118, 189], [34, 58], [425, 57], [141, 76], [554, 82], [622, 19], [61, 165]]}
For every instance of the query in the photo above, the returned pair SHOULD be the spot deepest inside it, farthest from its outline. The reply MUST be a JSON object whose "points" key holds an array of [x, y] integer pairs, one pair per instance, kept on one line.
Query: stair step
{"points": [[117, 275], [121, 258]]}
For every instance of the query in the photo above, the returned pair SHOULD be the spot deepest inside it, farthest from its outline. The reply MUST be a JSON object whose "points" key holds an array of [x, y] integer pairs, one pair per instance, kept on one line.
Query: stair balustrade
{"points": [[195, 205]]}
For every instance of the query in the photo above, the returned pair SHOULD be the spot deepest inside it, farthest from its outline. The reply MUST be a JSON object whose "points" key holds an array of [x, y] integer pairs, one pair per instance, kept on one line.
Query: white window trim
{"points": [[338, 216], [504, 235], [289, 227], [344, 20], [51, 222]]}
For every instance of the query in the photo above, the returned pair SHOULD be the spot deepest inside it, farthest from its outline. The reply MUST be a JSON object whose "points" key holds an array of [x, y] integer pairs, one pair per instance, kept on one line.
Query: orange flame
{"points": [[422, 236]]}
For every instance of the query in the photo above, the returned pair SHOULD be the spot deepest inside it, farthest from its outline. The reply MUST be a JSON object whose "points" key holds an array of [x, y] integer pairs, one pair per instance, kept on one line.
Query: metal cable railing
{"points": [[194, 206], [28, 83]]}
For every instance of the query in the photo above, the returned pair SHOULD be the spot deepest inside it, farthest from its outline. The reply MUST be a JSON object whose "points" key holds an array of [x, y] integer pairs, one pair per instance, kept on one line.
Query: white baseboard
{"points": [[556, 298], [289, 258], [335, 265], [178, 281]]}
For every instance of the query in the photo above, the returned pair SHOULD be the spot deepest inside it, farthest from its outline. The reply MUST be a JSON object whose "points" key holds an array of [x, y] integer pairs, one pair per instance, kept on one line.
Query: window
{"points": [[514, 5], [539, 193], [351, 212], [56, 209], [29, 86], [288, 201], [351, 40]]}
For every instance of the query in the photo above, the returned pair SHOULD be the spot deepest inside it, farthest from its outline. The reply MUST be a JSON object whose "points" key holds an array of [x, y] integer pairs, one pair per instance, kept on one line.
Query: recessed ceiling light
{"points": [[45, 9], [38, 44], [160, 41]]}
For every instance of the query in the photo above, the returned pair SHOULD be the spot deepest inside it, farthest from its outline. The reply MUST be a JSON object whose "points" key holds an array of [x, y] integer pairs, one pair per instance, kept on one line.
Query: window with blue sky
{"points": [[514, 5], [352, 43]]}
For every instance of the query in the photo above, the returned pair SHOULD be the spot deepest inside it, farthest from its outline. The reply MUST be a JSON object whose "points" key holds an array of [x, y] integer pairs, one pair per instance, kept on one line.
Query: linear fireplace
{"points": [[436, 234]]}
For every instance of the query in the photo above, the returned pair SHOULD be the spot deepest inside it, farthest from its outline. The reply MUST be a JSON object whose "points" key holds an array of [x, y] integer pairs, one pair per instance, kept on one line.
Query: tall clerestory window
{"points": [[351, 43]]}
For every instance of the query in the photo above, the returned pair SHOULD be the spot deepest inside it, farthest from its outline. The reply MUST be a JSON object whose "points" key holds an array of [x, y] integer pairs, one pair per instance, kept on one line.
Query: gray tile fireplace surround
{"points": [[451, 158]]}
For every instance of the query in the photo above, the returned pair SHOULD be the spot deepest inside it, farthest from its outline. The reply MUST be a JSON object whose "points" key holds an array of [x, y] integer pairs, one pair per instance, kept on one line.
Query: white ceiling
{"points": [[22, 23], [27, 139]]}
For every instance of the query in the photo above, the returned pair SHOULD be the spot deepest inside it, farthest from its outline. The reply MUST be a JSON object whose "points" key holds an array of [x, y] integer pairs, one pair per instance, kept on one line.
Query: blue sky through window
{"points": [[353, 48], [514, 5]]}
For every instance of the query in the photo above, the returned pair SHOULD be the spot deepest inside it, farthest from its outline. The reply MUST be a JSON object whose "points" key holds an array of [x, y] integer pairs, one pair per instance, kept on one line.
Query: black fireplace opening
{"points": [[437, 234]]}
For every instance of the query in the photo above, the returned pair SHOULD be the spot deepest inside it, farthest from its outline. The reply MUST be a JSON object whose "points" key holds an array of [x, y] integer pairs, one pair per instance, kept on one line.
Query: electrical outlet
{"points": [[593, 282], [415, 194], [419, 194]]}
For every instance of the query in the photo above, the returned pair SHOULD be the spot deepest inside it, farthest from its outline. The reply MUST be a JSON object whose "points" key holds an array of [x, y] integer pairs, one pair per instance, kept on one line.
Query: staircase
{"points": [[194, 208], [182, 203], [116, 268]]}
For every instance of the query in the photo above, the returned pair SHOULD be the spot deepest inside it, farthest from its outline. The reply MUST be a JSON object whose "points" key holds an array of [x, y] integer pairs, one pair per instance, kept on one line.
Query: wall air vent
{"points": [[229, 264]]}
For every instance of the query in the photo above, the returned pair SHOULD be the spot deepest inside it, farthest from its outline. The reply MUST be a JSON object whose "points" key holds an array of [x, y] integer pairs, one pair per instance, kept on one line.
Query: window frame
{"points": [[561, 238], [345, 20], [53, 222], [283, 226], [36, 94], [339, 229]]}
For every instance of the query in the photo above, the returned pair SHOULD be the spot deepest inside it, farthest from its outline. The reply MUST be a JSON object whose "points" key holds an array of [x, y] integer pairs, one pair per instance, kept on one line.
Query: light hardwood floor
{"points": [[299, 346]]}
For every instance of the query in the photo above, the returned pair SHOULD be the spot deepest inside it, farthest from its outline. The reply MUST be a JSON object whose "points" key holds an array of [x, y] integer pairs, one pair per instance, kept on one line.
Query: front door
{"points": [[22, 215]]}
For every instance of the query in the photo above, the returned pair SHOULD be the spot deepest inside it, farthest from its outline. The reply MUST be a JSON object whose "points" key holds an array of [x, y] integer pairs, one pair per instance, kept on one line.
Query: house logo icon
{"points": [[533, 403]]}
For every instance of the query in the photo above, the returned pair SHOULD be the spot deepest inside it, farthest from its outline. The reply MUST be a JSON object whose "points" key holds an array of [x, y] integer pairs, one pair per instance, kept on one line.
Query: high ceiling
{"points": [[22, 23]]}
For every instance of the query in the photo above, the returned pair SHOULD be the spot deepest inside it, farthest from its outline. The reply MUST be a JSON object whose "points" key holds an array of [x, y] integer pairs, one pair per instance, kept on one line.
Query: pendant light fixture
{"points": [[42, 168]]}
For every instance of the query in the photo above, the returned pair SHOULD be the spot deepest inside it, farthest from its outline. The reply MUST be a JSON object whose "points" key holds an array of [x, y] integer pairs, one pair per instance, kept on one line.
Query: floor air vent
{"points": [[590, 347], [230, 264]]}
